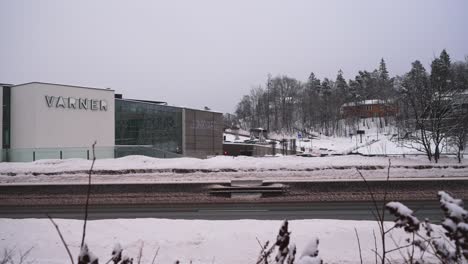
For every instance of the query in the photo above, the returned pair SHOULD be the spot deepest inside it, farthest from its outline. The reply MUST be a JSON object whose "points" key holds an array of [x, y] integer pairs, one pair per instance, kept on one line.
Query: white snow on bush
{"points": [[453, 208], [446, 198], [400, 208], [311, 249], [455, 211]]}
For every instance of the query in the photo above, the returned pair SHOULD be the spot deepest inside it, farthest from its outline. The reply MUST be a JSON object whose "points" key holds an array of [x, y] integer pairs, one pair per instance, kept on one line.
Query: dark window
{"points": [[140, 123], [6, 104]]}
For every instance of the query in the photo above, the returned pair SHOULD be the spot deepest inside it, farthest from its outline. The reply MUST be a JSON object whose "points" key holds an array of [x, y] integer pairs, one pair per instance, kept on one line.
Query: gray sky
{"points": [[210, 53]]}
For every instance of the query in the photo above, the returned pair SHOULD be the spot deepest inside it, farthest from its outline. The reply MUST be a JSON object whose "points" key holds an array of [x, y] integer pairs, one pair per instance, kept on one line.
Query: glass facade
{"points": [[150, 124], [6, 118]]}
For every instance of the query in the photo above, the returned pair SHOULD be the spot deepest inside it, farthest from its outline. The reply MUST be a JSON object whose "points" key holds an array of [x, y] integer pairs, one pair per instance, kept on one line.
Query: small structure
{"points": [[259, 133], [235, 131], [369, 108]]}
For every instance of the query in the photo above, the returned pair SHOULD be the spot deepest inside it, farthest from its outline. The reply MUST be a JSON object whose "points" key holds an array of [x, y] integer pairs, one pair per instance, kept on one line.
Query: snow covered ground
{"points": [[378, 139], [140, 169], [199, 241], [226, 168]]}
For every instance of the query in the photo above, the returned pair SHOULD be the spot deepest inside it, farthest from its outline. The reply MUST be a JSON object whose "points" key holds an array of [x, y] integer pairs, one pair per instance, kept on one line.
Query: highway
{"points": [[284, 200], [264, 211]]}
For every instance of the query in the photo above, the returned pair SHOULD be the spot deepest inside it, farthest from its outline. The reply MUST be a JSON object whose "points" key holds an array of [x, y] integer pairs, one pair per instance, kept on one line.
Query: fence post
{"points": [[34, 155], [87, 154], [61, 154]]}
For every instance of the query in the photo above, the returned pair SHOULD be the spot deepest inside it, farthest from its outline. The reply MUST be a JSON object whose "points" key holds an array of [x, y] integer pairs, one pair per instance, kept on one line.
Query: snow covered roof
{"points": [[258, 129], [367, 102]]}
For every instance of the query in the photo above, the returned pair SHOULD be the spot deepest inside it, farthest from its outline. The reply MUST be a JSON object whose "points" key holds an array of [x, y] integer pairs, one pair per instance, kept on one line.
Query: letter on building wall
{"points": [[83, 103], [103, 105], [49, 100], [94, 104], [60, 102], [71, 102]]}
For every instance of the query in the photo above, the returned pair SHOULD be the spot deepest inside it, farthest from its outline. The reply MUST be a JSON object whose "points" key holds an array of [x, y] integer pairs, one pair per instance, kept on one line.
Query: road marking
{"points": [[231, 210]]}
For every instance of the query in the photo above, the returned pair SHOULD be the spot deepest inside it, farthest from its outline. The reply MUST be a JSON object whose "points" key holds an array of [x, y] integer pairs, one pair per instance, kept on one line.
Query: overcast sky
{"points": [[210, 53]]}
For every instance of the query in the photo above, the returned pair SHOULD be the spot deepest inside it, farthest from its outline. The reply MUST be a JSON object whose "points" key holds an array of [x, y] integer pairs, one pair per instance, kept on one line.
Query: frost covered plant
{"points": [[127, 260], [428, 227], [86, 256], [282, 241], [292, 254], [404, 217], [117, 253], [287, 253], [449, 247], [310, 254], [456, 227], [410, 223]]}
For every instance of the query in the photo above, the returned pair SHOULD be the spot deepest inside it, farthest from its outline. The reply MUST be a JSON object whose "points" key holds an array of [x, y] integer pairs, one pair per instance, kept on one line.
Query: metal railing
{"points": [[33, 154]]}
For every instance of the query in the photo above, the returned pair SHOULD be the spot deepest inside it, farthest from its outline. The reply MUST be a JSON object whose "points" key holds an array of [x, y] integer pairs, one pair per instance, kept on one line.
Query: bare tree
{"points": [[431, 101]]}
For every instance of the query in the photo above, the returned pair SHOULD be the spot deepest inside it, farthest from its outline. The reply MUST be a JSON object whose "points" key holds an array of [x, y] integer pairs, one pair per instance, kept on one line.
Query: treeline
{"points": [[432, 106], [285, 104]]}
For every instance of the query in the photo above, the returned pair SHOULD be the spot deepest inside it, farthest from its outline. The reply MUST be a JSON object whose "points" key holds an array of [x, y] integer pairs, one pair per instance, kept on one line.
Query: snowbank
{"points": [[225, 168], [202, 241]]}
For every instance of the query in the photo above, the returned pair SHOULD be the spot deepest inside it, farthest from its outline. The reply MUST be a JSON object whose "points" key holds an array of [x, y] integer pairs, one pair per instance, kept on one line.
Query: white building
{"points": [[55, 121], [58, 119]]}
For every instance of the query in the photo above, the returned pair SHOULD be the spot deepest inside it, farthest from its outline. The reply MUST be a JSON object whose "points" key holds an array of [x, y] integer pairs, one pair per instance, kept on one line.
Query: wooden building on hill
{"points": [[369, 108]]}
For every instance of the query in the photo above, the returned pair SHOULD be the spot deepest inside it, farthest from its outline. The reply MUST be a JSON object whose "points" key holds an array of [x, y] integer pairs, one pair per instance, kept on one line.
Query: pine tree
{"points": [[383, 73], [326, 87], [440, 72], [341, 84], [313, 83]]}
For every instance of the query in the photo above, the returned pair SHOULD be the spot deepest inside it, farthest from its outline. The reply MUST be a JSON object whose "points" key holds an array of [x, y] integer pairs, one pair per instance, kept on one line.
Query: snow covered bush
{"points": [[117, 253], [86, 256], [404, 216], [455, 225], [292, 254], [287, 252], [282, 241], [448, 247], [310, 254]]}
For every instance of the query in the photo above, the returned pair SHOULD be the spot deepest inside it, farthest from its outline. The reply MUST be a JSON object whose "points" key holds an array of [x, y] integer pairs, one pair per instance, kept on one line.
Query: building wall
{"points": [[1, 124], [203, 133], [35, 124], [370, 110]]}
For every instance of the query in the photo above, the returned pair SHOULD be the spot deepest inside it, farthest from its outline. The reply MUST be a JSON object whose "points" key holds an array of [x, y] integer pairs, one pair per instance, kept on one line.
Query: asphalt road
{"points": [[264, 211]]}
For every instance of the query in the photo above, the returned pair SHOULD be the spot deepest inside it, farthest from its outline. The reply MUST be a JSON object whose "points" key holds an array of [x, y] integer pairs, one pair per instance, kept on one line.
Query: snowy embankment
{"points": [[199, 241], [224, 168]]}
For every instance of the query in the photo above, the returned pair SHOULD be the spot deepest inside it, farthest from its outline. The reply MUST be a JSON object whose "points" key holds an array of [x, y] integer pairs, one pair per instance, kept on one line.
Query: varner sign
{"points": [[76, 103]]}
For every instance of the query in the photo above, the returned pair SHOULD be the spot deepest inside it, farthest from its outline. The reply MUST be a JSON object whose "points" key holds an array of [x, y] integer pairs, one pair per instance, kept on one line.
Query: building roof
{"points": [[67, 85], [146, 101], [165, 105]]}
